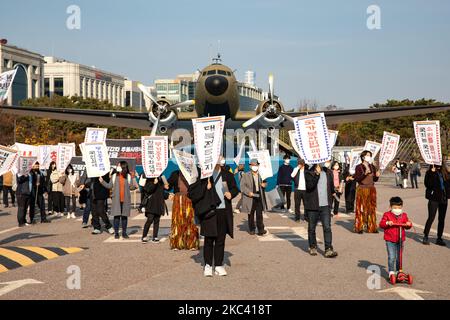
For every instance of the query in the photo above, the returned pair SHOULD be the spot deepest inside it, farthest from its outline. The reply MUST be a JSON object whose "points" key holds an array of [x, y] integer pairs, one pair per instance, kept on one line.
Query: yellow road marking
{"points": [[72, 250], [43, 252], [17, 257], [3, 268]]}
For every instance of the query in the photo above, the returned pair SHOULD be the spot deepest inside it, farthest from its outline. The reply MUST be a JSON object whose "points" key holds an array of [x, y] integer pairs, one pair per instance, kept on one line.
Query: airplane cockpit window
{"points": [[211, 72], [204, 73], [222, 72], [229, 73]]}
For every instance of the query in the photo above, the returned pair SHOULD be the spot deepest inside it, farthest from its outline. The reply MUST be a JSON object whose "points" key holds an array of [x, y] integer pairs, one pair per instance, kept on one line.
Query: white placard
{"points": [[265, 163], [65, 153], [373, 147], [311, 132], [186, 163], [26, 150], [95, 135], [97, 159], [333, 137], [154, 155], [6, 79], [389, 148], [8, 158], [295, 144], [25, 165], [208, 136], [47, 154], [428, 137], [355, 159], [237, 160]]}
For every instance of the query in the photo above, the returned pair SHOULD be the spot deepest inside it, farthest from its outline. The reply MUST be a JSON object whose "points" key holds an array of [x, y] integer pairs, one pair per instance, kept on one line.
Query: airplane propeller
{"points": [[162, 109]]}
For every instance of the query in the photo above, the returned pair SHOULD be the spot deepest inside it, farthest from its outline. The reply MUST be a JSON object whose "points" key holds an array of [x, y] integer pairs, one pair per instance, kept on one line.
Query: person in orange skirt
{"points": [[366, 174], [184, 233]]}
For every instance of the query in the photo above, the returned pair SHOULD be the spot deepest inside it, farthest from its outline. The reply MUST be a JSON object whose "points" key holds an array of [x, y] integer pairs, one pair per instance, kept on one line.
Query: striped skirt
{"points": [[366, 210], [184, 233]]}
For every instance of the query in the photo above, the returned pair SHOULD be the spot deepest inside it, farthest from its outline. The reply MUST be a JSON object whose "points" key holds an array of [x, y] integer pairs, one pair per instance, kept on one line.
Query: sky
{"points": [[317, 50]]}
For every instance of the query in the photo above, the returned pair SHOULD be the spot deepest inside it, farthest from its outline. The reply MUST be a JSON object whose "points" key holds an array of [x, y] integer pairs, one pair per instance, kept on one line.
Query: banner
{"points": [[47, 154], [125, 149], [26, 150], [79, 166], [355, 159], [25, 165], [154, 155], [333, 137], [186, 163], [95, 135], [373, 147], [428, 137], [6, 80], [97, 159], [65, 153], [311, 132], [8, 158], [295, 144], [389, 148], [265, 163], [208, 135]]}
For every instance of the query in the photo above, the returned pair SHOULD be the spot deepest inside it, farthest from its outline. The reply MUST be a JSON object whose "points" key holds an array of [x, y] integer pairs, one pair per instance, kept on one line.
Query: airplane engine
{"points": [[273, 110], [167, 115]]}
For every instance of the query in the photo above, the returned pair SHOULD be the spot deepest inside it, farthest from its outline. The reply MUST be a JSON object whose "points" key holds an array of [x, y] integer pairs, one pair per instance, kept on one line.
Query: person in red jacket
{"points": [[391, 233]]}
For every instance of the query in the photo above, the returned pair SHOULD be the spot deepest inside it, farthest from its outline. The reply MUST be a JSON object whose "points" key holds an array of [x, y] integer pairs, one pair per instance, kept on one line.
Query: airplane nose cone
{"points": [[216, 85]]}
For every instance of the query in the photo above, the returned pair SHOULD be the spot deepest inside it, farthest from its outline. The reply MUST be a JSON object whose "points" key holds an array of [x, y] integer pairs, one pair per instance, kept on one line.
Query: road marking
{"points": [[9, 230], [13, 285], [24, 256], [421, 226], [291, 234], [405, 293]]}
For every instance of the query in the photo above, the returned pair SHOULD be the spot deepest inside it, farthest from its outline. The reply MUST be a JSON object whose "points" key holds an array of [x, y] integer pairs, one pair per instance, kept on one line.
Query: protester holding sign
{"points": [[121, 184], [366, 195], [184, 233], [100, 194], [24, 187], [37, 193], [212, 202], [70, 181], [437, 182], [284, 181], [254, 199], [154, 205], [57, 190]]}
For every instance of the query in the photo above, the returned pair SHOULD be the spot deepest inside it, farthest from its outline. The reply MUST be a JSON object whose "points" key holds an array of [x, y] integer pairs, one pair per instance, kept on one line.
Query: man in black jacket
{"points": [[100, 195], [37, 193], [318, 203], [211, 199], [23, 193]]}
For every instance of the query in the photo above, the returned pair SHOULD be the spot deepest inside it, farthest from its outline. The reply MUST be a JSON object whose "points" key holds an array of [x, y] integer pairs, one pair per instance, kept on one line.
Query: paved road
{"points": [[273, 267]]}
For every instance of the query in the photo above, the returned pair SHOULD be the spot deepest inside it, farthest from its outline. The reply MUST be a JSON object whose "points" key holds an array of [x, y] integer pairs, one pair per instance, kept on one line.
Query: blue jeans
{"points": [[324, 215], [393, 250], [87, 211]]}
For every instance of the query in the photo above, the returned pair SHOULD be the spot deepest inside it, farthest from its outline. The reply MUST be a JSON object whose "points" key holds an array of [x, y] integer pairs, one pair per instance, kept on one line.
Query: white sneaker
{"points": [[237, 211], [111, 230], [68, 215], [208, 271], [220, 271], [290, 211], [73, 215]]}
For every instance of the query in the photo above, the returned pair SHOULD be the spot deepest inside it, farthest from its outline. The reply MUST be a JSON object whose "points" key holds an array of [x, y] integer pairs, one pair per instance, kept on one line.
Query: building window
{"points": [[47, 87], [59, 86], [161, 87], [127, 98], [35, 70], [5, 63]]}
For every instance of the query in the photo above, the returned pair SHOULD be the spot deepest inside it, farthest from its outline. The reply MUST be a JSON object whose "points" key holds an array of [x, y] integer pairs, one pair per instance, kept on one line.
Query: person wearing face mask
{"points": [[57, 190], [414, 172], [318, 204], [298, 175], [284, 181], [396, 169], [392, 233], [350, 189], [37, 193], [70, 181], [254, 200], [49, 185], [338, 177], [437, 183], [366, 174], [121, 184]]}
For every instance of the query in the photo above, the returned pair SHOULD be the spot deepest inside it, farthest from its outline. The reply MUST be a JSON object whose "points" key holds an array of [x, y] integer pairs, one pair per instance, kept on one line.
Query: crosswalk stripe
{"points": [[72, 250], [16, 257], [43, 252]]}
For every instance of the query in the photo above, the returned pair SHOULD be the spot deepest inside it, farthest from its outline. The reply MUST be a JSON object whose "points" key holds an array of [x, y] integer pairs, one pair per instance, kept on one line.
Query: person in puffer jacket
{"points": [[391, 232]]}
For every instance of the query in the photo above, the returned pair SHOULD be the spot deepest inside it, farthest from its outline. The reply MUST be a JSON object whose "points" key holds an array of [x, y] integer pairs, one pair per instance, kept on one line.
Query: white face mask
{"points": [[119, 169], [70, 170], [327, 165], [286, 162], [255, 168], [368, 159], [222, 162], [397, 212]]}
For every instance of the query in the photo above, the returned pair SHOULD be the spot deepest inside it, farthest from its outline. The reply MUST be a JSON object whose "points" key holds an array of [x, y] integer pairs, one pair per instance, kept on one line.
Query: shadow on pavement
{"points": [[364, 264], [25, 236], [198, 258], [3, 214]]}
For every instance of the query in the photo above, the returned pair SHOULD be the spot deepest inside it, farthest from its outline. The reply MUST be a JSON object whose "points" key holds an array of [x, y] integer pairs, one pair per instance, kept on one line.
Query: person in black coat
{"points": [[211, 199], [99, 196], [23, 198], [37, 193], [350, 190], [318, 204], [154, 205], [437, 183]]}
